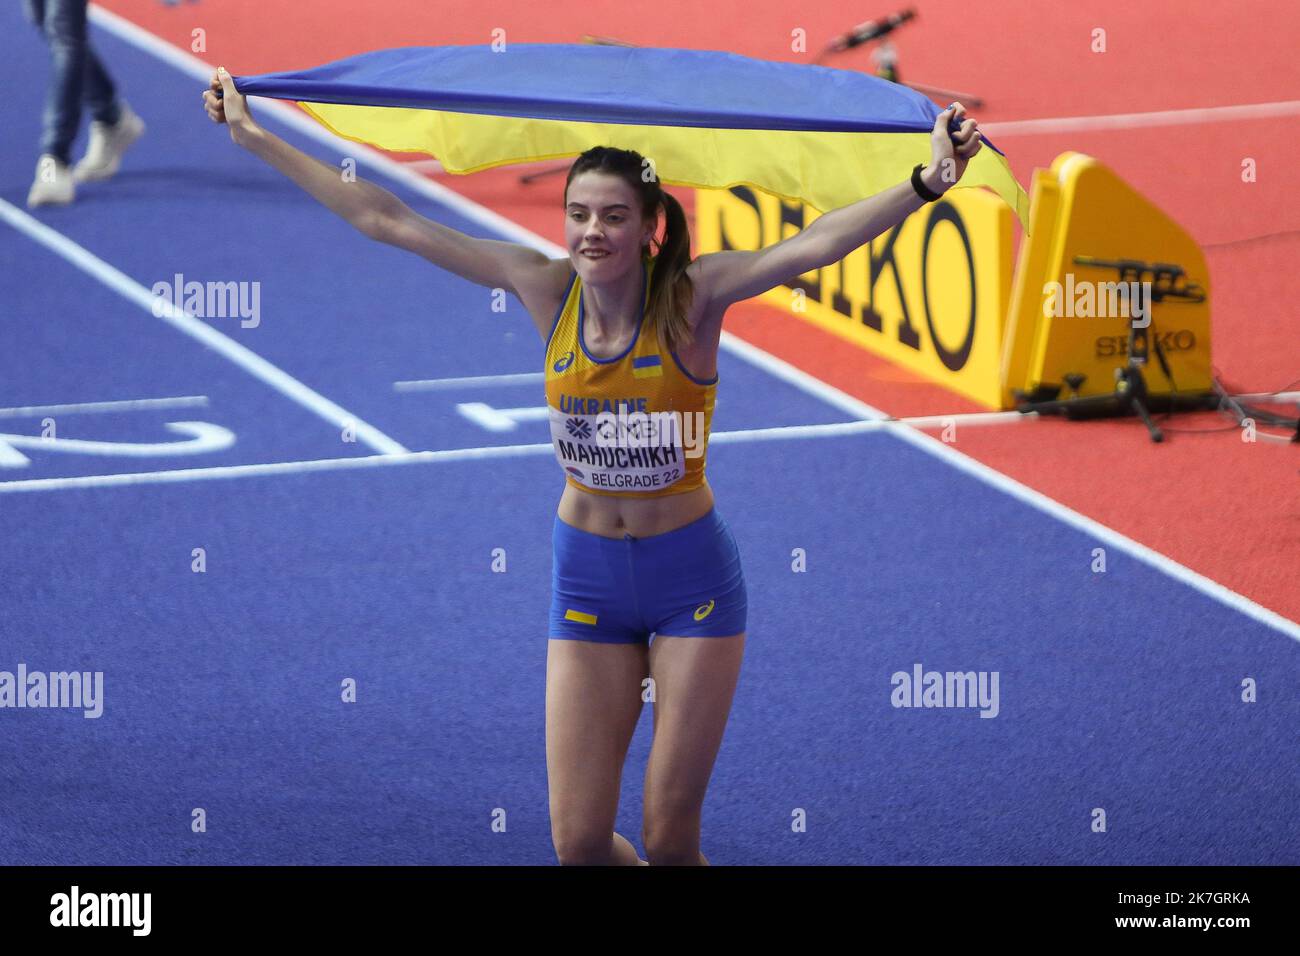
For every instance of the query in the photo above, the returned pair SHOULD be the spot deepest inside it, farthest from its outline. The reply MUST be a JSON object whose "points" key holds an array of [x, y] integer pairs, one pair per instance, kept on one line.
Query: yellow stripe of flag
{"points": [[828, 170]]}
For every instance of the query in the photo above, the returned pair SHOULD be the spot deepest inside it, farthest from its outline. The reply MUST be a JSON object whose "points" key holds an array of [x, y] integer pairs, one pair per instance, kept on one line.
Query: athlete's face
{"points": [[603, 214]]}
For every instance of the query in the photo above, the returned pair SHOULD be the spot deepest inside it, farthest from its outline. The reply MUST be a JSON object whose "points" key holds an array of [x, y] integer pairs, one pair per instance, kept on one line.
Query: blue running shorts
{"points": [[683, 583]]}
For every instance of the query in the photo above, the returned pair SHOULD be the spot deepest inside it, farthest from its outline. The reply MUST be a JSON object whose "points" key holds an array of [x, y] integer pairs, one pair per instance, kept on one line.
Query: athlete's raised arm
{"points": [[373, 210], [727, 277]]}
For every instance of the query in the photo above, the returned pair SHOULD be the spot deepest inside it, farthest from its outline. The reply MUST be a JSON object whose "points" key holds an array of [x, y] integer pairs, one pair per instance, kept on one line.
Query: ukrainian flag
{"points": [[707, 119], [647, 366]]}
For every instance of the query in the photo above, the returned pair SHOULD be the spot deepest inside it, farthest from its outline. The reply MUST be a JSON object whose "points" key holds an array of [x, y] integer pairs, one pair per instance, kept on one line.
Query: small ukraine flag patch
{"points": [[646, 366], [580, 616]]}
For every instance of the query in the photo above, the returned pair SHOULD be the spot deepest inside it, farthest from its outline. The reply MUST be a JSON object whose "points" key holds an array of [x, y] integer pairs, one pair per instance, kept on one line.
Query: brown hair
{"points": [[671, 291]]}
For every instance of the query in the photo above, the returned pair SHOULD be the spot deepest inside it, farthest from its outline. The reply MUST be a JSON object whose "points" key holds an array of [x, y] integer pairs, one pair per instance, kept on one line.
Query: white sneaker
{"points": [[53, 185], [107, 144]]}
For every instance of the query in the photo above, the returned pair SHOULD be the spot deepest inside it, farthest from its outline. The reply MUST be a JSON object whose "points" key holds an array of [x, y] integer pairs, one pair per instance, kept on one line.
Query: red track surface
{"points": [[1225, 508]]}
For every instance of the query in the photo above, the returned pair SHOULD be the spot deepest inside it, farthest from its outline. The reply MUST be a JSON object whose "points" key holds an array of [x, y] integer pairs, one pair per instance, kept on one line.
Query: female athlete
{"points": [[631, 338]]}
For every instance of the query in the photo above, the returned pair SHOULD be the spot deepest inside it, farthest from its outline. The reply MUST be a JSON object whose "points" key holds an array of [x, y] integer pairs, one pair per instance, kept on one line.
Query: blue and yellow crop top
{"points": [[635, 425]]}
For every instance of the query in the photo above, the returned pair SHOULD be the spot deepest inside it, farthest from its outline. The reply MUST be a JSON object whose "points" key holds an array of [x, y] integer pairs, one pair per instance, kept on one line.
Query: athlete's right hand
{"points": [[230, 107]]}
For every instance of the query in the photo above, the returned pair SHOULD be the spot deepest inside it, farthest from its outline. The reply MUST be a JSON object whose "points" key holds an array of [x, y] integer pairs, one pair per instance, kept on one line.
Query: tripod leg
{"points": [[1138, 406]]}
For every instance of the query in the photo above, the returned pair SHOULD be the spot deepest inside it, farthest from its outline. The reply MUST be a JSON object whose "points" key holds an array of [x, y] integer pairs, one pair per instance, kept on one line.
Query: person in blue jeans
{"points": [[77, 77]]}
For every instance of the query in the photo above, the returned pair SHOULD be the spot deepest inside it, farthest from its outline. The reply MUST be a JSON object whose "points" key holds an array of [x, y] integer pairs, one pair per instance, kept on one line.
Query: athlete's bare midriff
{"points": [[613, 516]]}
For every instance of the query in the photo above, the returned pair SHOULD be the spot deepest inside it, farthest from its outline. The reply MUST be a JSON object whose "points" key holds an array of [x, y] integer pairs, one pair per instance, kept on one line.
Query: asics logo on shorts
{"points": [[703, 611]]}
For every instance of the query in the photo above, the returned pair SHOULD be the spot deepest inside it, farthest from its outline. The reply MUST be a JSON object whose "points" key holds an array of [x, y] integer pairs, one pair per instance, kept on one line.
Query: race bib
{"points": [[627, 451]]}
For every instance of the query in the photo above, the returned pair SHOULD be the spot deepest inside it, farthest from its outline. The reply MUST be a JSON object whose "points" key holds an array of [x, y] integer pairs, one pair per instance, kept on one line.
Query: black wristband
{"points": [[921, 188]]}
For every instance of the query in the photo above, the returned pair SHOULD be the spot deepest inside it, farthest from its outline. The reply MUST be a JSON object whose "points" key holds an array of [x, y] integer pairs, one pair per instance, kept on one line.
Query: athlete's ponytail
{"points": [[671, 292]]}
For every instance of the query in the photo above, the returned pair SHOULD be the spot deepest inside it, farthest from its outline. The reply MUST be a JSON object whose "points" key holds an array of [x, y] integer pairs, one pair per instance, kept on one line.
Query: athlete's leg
{"points": [[694, 683], [593, 700]]}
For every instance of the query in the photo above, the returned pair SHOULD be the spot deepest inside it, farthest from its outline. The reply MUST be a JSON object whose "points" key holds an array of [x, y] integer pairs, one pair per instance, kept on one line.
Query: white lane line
{"points": [[180, 475], [501, 419], [1187, 117], [836, 429], [184, 321], [469, 381], [529, 378], [777, 433], [124, 405], [507, 419], [203, 437], [787, 372], [1270, 396], [780, 433]]}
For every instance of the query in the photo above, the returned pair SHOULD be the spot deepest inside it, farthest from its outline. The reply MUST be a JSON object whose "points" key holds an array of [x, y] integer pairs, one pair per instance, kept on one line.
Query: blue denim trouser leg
{"points": [[77, 75]]}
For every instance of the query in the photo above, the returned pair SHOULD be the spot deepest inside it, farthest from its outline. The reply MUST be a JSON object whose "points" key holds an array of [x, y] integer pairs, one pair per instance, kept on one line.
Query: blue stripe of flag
{"points": [[645, 360]]}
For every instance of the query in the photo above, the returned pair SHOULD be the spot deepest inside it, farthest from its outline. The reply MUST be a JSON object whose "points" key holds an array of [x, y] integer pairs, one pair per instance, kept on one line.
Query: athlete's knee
{"points": [[672, 840], [582, 847], [683, 851]]}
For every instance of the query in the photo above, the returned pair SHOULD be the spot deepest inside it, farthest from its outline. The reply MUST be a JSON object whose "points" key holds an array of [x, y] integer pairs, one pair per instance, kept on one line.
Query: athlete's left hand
{"points": [[950, 152]]}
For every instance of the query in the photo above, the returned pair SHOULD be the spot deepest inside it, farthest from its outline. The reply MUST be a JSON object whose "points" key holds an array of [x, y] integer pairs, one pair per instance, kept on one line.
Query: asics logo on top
{"points": [[563, 362]]}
